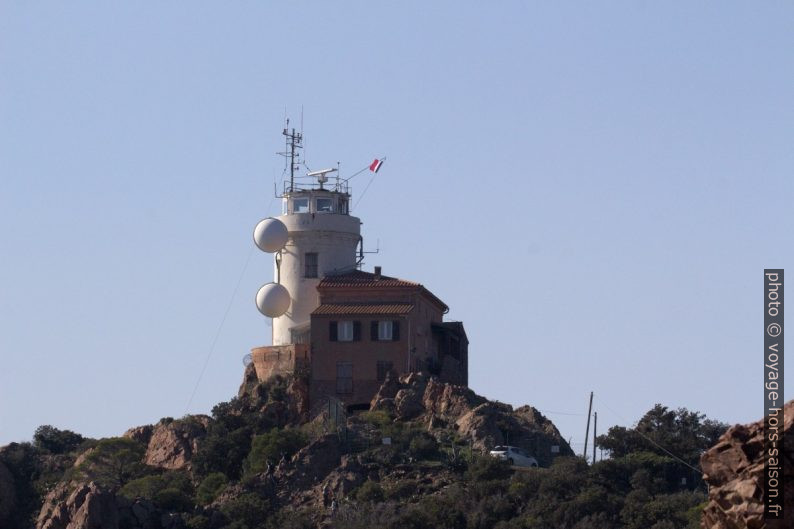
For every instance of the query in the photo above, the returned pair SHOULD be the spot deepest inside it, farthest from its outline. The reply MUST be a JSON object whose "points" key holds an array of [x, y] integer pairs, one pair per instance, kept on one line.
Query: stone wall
{"points": [[279, 360]]}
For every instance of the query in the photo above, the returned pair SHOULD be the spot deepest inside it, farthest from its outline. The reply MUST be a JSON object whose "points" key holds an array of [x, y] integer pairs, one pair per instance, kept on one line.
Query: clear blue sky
{"points": [[594, 190]]}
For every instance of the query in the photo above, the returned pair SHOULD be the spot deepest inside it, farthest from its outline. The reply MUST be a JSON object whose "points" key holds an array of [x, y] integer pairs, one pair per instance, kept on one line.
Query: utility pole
{"points": [[587, 432], [595, 424]]}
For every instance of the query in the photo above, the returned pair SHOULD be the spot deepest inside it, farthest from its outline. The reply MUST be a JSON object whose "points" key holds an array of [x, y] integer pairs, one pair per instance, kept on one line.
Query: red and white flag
{"points": [[375, 166]]}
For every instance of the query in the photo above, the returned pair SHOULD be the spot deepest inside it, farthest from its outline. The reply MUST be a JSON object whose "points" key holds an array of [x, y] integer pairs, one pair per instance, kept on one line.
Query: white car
{"points": [[514, 456]]}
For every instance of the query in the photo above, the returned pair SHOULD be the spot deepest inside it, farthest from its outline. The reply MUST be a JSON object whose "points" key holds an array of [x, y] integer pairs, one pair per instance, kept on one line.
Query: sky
{"points": [[594, 190]]}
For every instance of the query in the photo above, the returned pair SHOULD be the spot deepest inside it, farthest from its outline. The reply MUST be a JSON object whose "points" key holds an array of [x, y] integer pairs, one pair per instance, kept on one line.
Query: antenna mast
{"points": [[294, 141]]}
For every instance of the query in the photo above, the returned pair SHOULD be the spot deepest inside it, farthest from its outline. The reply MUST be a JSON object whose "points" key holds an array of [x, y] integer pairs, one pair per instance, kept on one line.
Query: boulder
{"points": [[173, 444], [484, 423], [312, 463], [141, 434], [85, 507], [349, 475], [250, 381], [298, 399], [734, 468]]}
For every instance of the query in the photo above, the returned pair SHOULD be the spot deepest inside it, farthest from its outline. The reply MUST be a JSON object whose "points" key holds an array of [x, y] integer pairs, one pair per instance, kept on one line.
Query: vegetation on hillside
{"points": [[420, 480]]}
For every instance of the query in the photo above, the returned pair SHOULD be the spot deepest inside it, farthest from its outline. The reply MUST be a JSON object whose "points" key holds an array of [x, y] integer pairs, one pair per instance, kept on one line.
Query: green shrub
{"points": [[377, 418], [370, 491], [400, 490], [56, 441], [145, 487], [270, 446], [423, 446], [484, 468], [198, 521], [210, 487], [113, 462], [248, 510], [173, 500], [223, 451]]}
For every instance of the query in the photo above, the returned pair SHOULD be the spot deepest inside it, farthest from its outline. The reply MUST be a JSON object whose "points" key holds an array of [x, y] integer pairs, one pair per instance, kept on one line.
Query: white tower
{"points": [[320, 239]]}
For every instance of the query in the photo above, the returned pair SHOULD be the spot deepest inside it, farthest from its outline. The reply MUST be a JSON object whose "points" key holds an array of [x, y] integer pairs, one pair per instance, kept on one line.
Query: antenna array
{"points": [[294, 142]]}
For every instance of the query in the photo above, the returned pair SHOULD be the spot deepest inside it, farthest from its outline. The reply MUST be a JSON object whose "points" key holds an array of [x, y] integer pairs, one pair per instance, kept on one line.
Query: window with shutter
{"points": [[385, 330], [395, 334], [345, 331]]}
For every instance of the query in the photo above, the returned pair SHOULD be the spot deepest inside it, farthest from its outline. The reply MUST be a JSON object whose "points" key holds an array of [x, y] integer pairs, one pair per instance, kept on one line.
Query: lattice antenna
{"points": [[293, 144]]}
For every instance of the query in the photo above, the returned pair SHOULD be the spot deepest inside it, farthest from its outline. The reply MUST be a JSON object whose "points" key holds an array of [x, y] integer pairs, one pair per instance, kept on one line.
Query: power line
{"points": [[220, 327], [223, 320]]}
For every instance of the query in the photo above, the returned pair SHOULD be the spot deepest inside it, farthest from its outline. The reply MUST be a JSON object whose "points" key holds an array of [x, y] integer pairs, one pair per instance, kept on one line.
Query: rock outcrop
{"points": [[73, 505], [141, 434], [86, 506], [485, 423], [172, 444], [734, 469]]}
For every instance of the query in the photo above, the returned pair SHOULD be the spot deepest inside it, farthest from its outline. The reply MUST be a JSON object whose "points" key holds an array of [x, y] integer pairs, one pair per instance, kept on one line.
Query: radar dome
{"points": [[270, 235], [272, 300]]}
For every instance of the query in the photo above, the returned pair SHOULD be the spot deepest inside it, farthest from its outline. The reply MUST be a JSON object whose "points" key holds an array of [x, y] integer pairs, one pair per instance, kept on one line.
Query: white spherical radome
{"points": [[270, 235], [273, 300]]}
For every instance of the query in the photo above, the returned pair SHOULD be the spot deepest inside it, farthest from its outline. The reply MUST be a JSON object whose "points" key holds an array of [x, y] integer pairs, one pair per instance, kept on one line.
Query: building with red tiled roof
{"points": [[368, 324], [342, 328], [365, 326]]}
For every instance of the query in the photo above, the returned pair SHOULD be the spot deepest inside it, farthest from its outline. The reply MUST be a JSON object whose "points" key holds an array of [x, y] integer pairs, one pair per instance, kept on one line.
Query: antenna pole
{"points": [[294, 142], [595, 423], [587, 432]]}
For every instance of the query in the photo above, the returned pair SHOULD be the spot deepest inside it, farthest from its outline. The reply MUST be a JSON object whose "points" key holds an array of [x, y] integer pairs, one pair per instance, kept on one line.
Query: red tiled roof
{"points": [[362, 308], [359, 278]]}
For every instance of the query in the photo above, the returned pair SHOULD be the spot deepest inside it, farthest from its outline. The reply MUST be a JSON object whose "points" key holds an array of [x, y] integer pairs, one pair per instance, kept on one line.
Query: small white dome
{"points": [[270, 235], [273, 300]]}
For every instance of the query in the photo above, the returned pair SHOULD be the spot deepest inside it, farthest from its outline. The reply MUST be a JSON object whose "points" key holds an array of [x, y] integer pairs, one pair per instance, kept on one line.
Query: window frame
{"points": [[344, 384], [382, 368], [315, 266], [330, 205], [301, 200]]}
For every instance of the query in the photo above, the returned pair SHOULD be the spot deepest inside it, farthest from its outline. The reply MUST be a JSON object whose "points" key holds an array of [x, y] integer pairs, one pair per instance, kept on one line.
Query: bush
{"points": [[198, 522], [248, 510], [171, 490], [423, 446], [56, 441], [378, 418], [173, 500], [113, 462], [370, 491], [209, 489], [485, 468], [270, 446], [222, 451], [401, 490]]}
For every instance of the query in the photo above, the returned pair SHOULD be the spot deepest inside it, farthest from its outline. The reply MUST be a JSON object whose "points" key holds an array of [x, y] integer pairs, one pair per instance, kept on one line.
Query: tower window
{"points": [[300, 205], [325, 205], [310, 261]]}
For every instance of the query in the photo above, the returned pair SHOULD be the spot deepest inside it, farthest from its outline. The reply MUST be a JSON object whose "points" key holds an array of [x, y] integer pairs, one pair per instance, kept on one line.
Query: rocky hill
{"points": [[734, 468], [417, 458]]}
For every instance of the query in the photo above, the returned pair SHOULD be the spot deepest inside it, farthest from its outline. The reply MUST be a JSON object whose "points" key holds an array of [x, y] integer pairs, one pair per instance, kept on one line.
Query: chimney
{"points": [[377, 273]]}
